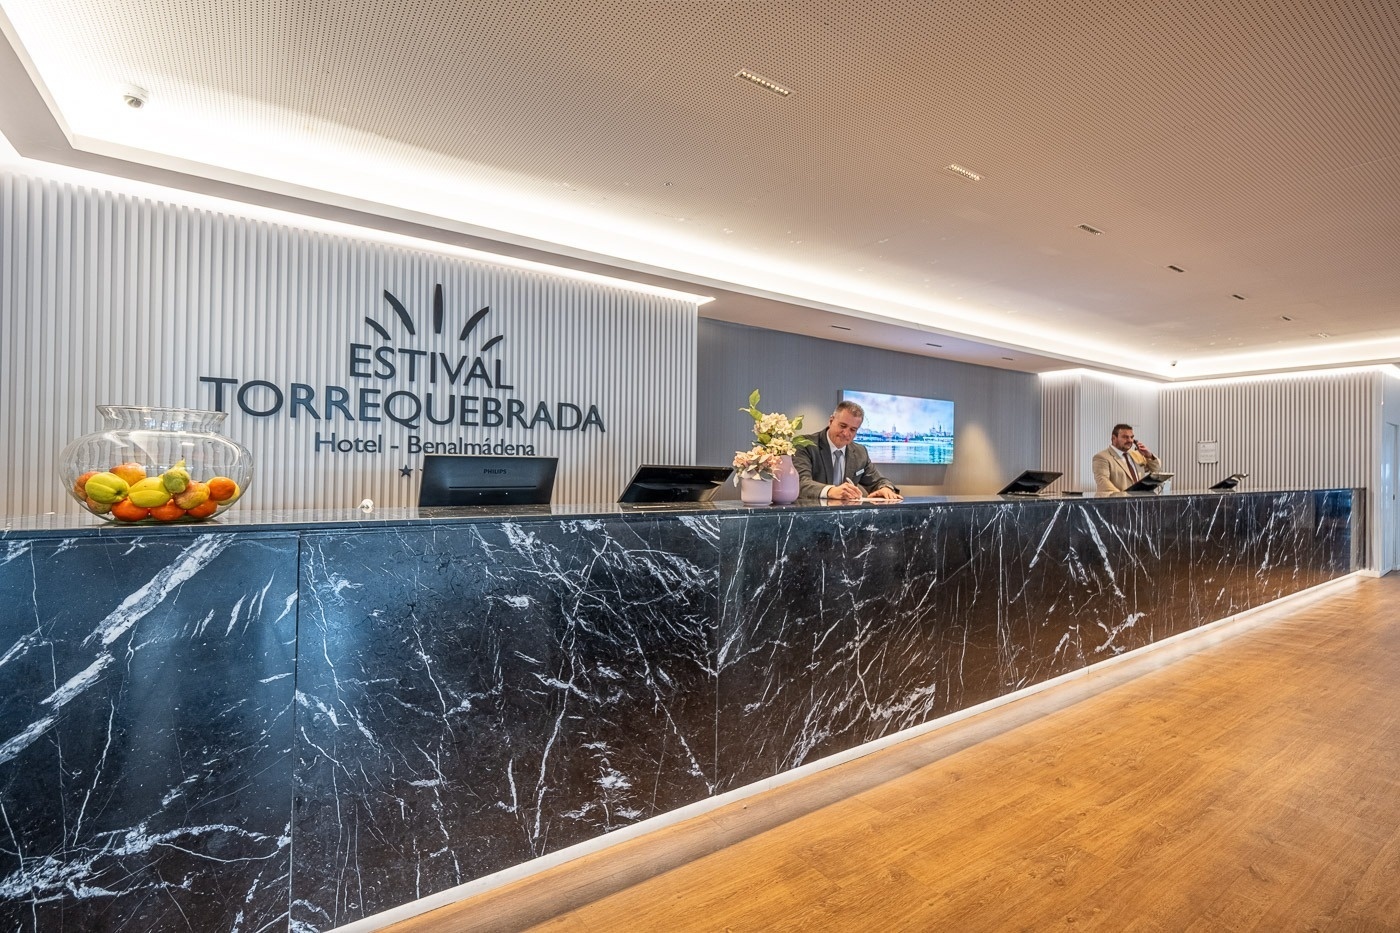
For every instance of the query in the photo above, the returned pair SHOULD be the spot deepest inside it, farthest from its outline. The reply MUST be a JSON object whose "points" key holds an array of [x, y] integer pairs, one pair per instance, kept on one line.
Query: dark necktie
{"points": [[838, 467], [1128, 462]]}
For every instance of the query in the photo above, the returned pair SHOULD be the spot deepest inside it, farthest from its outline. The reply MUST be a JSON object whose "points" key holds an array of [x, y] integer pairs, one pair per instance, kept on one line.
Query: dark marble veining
{"points": [[497, 692], [145, 732], [292, 721]]}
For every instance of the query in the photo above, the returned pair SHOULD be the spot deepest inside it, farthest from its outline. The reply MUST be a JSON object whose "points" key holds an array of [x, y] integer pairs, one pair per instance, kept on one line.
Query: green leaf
{"points": [[753, 399]]}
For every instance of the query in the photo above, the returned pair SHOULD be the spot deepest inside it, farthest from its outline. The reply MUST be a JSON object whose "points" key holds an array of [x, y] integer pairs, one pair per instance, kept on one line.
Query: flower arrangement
{"points": [[777, 437], [755, 463]]}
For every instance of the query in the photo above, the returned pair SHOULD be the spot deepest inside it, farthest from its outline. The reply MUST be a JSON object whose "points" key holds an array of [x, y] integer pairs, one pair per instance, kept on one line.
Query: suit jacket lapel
{"points": [[824, 454]]}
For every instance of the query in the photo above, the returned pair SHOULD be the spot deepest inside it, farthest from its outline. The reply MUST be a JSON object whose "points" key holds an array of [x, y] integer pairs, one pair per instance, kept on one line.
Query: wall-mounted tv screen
{"points": [[904, 429]]}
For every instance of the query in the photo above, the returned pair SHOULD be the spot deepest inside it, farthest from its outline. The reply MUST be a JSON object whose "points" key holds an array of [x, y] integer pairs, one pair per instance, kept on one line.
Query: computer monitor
{"points": [[470, 480], [1229, 482], [654, 483], [1149, 482], [1030, 483]]}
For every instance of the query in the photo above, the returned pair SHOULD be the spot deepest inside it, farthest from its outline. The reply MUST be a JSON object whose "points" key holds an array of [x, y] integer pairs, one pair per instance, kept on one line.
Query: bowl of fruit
{"points": [[156, 465]]}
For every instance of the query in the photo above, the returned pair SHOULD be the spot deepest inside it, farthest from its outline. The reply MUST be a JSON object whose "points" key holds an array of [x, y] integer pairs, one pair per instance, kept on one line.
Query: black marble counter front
{"points": [[294, 721]]}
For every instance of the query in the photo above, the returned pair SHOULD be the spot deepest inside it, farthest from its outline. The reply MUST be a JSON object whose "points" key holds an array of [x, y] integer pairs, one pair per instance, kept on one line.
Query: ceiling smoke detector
{"points": [[767, 84]]}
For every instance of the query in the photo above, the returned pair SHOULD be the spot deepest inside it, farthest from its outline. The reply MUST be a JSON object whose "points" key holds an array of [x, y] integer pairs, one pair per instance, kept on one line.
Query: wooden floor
{"points": [[1251, 785]]}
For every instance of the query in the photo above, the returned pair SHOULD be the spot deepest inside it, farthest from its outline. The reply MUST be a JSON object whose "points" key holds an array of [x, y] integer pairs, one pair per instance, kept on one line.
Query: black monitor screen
{"points": [[1029, 482], [675, 483], [1230, 482], [1149, 482], [453, 480]]}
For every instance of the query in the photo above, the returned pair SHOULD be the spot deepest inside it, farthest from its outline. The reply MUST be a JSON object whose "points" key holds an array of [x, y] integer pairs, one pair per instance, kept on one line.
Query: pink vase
{"points": [[785, 485], [756, 491]]}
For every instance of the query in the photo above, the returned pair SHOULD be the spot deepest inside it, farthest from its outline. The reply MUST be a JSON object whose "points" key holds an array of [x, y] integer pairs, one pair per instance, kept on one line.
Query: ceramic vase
{"points": [[785, 485], [756, 491]]}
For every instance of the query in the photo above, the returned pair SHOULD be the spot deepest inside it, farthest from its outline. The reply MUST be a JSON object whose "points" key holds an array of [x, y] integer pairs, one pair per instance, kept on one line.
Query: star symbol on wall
{"points": [[405, 470]]}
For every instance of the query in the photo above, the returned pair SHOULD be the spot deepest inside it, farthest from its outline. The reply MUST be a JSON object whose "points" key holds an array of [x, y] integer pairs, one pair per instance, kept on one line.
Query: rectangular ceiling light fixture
{"points": [[763, 82], [967, 173]]}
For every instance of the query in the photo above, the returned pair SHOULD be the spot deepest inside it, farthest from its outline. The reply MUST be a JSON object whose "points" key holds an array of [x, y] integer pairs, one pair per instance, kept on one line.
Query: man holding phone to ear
{"points": [[1123, 462]]}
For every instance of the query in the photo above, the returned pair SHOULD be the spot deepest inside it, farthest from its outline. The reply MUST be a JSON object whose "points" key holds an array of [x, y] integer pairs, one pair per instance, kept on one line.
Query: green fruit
{"points": [[149, 493], [105, 488], [176, 478]]}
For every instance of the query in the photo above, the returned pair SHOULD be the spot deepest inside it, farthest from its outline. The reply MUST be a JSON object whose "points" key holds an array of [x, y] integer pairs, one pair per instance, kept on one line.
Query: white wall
{"points": [[1386, 536], [108, 298]]}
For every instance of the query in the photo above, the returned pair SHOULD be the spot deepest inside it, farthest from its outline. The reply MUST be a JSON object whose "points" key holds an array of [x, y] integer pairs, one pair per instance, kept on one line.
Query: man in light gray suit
{"points": [[835, 466]]}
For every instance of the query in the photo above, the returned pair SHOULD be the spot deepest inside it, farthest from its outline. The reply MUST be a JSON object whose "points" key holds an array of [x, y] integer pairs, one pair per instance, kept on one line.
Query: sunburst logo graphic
{"points": [[395, 363], [439, 316]]}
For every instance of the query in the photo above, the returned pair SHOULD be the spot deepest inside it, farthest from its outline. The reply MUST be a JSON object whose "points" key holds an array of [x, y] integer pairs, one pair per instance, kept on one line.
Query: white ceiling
{"points": [[1254, 144]]}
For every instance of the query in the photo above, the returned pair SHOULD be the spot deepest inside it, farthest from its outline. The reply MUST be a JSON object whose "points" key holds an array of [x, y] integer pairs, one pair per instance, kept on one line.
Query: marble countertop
{"points": [[244, 520]]}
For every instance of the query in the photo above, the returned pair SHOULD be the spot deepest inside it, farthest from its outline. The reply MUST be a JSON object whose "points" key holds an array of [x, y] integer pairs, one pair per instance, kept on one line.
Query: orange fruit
{"points": [[131, 471], [80, 484], [167, 512], [222, 489], [129, 511], [204, 509]]}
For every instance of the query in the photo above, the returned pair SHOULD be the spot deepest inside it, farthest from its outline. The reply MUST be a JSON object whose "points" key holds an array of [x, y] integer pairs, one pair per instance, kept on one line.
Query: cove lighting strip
{"points": [[280, 217], [1386, 369]]}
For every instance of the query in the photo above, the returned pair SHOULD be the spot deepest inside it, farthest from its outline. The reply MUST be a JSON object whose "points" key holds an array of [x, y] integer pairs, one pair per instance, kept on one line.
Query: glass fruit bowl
{"points": [[156, 465]]}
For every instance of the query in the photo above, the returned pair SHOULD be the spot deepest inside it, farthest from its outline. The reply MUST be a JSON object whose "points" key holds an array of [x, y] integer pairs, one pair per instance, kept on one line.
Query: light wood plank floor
{"points": [[1251, 785]]}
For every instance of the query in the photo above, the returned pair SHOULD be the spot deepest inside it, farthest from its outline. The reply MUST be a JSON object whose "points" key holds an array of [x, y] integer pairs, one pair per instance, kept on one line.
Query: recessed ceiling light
{"points": [[839, 327], [1322, 334], [1088, 229], [1009, 358], [964, 172], [938, 345], [765, 83], [1284, 317], [1240, 297], [1176, 268]]}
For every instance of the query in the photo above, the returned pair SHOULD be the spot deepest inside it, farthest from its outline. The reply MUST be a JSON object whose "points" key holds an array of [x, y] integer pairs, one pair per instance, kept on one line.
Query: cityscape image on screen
{"points": [[904, 429]]}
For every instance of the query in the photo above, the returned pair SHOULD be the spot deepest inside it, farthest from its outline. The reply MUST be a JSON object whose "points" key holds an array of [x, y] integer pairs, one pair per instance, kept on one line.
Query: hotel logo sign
{"points": [[416, 389]]}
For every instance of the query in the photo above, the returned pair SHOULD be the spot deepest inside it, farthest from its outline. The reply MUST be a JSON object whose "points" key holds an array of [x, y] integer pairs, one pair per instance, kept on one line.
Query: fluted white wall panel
{"points": [[1080, 409], [1303, 431], [106, 298], [1059, 416]]}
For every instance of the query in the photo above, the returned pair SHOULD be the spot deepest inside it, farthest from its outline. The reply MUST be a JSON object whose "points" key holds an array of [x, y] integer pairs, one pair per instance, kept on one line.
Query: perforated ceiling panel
{"points": [[1254, 144]]}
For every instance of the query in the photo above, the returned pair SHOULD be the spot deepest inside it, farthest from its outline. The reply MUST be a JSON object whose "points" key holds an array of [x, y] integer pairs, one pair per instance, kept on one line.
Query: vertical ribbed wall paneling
{"points": [[1079, 410], [1059, 415], [1295, 432], [107, 298]]}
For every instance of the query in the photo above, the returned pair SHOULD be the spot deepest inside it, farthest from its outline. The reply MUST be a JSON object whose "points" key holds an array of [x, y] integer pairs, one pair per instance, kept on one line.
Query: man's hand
{"points": [[847, 490], [885, 492]]}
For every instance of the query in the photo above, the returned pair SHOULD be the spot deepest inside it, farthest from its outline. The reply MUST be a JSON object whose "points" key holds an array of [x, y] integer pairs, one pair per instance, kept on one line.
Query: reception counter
{"points": [[294, 720]]}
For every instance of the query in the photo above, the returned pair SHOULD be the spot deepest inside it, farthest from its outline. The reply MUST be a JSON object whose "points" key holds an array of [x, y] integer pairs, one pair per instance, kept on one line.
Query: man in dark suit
{"points": [[835, 466]]}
